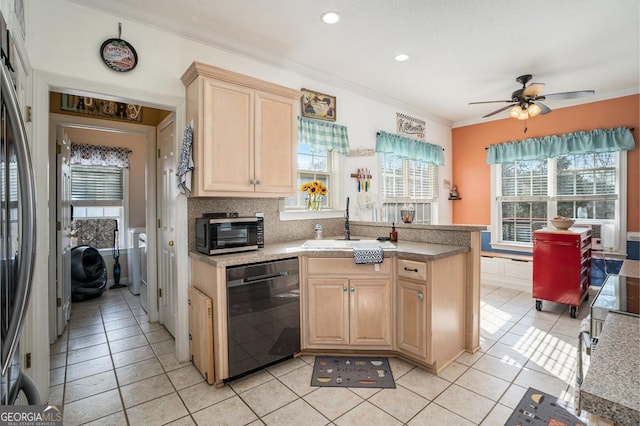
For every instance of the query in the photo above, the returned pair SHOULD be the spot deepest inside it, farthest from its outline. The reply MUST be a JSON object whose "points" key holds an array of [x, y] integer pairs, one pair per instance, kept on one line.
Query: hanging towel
{"points": [[185, 165], [368, 255]]}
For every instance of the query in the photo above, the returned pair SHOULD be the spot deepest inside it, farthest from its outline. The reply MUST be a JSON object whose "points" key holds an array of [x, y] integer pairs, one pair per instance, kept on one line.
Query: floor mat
{"points": [[537, 408], [352, 372]]}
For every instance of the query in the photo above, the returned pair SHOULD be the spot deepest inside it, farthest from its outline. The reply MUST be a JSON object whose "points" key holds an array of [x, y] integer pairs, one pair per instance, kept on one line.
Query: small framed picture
{"points": [[318, 105]]}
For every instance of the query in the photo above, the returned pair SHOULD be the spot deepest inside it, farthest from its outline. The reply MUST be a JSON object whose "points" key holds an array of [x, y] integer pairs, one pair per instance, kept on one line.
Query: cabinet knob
{"points": [[420, 296], [252, 182], [171, 243], [344, 289], [353, 290], [258, 182]]}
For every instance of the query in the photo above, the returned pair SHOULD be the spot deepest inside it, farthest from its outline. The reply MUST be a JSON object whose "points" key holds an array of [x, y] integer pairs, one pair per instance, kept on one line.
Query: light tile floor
{"points": [[113, 367]]}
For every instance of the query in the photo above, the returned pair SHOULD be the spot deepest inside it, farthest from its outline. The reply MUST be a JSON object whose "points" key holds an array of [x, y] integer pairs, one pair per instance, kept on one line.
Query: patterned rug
{"points": [[352, 372], [537, 408]]}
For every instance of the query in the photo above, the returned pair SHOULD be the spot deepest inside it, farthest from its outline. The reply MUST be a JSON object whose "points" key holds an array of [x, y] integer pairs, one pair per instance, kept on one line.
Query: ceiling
{"points": [[460, 51]]}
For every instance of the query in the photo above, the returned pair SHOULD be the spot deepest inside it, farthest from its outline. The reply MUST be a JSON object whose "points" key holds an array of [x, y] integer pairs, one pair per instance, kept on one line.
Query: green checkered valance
{"points": [[410, 148], [323, 136], [598, 140]]}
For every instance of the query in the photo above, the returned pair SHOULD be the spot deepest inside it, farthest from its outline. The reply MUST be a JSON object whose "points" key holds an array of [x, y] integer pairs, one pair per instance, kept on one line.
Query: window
{"points": [[585, 187], [99, 193], [407, 181], [312, 165]]}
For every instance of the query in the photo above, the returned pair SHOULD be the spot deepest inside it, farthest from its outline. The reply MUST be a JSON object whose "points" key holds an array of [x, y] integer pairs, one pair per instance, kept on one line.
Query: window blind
{"points": [[97, 183]]}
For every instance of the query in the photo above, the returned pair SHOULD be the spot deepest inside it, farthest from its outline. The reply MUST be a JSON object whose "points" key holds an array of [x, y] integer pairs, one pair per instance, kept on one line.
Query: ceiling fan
{"points": [[525, 102]]}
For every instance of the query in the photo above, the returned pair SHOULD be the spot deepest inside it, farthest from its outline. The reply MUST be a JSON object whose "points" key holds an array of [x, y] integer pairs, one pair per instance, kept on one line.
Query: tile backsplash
{"points": [[275, 230]]}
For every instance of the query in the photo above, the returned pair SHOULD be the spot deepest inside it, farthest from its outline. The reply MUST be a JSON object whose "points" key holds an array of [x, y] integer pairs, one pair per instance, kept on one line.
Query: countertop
{"points": [[611, 388], [630, 268], [411, 250]]}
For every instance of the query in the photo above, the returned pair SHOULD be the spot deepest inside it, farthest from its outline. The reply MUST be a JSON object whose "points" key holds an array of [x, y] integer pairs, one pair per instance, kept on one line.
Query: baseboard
{"points": [[505, 282]]}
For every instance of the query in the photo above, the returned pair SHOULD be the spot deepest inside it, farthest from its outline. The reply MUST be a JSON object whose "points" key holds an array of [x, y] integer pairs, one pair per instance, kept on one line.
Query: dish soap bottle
{"points": [[393, 235]]}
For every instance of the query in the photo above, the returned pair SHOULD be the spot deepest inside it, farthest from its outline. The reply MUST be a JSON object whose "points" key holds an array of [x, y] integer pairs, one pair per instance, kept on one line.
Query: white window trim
{"points": [[621, 182], [288, 213], [433, 202], [124, 226]]}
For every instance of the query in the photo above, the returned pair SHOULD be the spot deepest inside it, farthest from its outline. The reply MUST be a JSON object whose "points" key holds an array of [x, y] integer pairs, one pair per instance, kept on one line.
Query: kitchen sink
{"points": [[345, 244]]}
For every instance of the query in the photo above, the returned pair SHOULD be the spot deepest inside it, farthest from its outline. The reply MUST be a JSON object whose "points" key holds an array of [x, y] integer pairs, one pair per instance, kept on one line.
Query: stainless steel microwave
{"points": [[228, 234]]}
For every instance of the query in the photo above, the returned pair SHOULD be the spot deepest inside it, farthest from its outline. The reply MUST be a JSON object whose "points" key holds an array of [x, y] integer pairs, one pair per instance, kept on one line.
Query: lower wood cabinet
{"points": [[343, 313], [201, 333], [354, 312], [411, 326], [430, 312]]}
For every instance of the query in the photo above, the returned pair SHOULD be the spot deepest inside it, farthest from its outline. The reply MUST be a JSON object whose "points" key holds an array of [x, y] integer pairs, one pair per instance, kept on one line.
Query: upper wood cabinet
{"points": [[245, 134]]}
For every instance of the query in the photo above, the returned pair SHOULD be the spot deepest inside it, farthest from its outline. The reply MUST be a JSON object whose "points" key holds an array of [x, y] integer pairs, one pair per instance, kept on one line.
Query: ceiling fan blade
{"points": [[498, 110], [488, 102], [568, 95], [533, 90], [543, 108]]}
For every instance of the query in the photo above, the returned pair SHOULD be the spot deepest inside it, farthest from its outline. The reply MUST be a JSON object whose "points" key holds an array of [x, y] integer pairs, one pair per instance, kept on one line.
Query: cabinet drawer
{"points": [[412, 269], [341, 266]]}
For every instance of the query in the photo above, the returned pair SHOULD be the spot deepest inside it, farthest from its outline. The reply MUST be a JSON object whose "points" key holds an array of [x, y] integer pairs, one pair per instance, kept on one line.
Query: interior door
{"points": [[64, 231], [167, 192]]}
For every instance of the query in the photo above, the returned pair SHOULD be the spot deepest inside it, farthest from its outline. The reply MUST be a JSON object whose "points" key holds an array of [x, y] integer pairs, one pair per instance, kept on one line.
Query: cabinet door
{"points": [[328, 311], [275, 144], [201, 333], [411, 318], [370, 312], [225, 152]]}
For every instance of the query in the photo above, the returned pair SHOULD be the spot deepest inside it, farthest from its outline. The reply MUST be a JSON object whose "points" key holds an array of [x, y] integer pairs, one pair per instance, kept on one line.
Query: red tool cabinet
{"points": [[561, 266]]}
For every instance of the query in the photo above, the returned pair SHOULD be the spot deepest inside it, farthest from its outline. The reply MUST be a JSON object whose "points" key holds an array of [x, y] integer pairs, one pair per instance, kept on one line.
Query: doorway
{"points": [[139, 200]]}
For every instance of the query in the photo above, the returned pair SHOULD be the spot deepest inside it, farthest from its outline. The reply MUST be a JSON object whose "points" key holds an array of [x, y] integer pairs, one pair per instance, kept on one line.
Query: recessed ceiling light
{"points": [[330, 17], [402, 57]]}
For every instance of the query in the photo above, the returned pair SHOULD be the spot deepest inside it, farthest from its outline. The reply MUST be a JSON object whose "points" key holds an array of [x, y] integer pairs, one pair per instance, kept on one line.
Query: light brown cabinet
{"points": [[245, 134], [201, 333], [430, 310], [344, 313]]}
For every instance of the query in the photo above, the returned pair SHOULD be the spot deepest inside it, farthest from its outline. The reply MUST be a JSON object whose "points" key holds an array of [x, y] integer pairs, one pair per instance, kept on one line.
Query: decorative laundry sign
{"points": [[100, 107]]}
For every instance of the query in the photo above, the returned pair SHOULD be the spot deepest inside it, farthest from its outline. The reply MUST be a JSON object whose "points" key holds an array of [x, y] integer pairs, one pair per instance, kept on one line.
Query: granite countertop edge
{"points": [[609, 391], [410, 250]]}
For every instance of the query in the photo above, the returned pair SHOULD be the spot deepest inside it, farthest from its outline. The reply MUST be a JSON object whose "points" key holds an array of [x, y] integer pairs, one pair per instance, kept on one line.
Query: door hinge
{"points": [[28, 115], [59, 302], [190, 337], [27, 360], [209, 313], [159, 292], [58, 149], [158, 153], [58, 226], [159, 224]]}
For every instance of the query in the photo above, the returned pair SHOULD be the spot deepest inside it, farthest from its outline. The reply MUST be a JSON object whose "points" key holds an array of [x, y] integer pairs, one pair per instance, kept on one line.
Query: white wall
{"points": [[64, 38]]}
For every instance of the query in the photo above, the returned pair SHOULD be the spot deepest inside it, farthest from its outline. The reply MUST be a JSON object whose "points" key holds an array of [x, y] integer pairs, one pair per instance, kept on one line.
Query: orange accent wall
{"points": [[471, 173]]}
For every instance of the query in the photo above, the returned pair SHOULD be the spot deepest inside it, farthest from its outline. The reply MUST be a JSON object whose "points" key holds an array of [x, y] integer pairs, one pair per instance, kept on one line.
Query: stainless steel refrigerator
{"points": [[17, 242]]}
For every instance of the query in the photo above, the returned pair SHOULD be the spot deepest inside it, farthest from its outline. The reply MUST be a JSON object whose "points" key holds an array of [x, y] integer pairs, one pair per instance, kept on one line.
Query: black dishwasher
{"points": [[263, 314]]}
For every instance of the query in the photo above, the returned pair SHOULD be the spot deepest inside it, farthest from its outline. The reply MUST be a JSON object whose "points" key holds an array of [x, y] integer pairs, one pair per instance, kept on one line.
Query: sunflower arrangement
{"points": [[315, 191]]}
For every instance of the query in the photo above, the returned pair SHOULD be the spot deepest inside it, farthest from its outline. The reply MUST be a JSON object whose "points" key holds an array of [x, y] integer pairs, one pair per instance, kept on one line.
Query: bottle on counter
{"points": [[318, 231], [393, 235]]}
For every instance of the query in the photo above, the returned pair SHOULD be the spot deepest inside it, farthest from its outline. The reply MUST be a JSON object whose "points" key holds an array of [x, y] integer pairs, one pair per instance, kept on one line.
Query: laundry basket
{"points": [[88, 273]]}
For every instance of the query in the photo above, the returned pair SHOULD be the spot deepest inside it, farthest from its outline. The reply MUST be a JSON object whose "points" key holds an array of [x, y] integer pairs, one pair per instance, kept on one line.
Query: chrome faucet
{"points": [[347, 231]]}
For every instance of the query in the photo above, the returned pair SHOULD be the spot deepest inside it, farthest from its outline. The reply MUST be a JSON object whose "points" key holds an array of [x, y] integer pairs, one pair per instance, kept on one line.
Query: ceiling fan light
{"points": [[515, 111], [534, 110]]}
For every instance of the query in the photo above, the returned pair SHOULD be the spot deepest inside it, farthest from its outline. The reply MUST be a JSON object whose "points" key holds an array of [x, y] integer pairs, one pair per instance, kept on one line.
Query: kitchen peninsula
{"points": [[424, 296]]}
